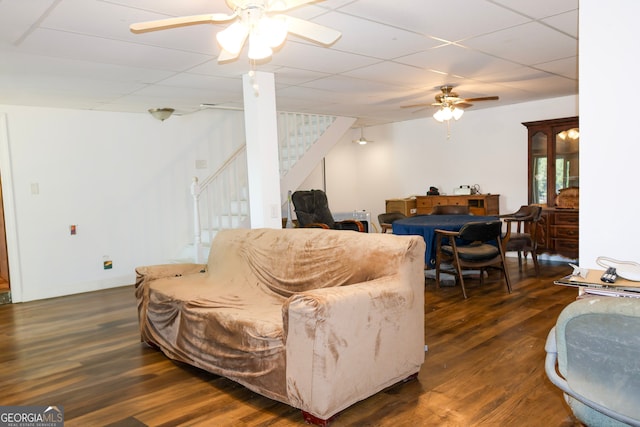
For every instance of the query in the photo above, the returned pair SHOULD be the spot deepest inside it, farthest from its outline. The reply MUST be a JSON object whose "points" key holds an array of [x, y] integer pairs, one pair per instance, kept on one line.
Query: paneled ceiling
{"points": [[80, 54]]}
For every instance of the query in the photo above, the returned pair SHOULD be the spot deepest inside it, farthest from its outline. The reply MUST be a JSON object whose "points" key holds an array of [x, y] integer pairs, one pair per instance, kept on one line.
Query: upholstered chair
{"points": [[312, 210], [386, 220]]}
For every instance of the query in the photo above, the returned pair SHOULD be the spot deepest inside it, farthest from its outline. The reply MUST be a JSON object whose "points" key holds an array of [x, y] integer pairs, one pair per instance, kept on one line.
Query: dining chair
{"points": [[522, 234], [477, 245], [386, 220], [312, 210]]}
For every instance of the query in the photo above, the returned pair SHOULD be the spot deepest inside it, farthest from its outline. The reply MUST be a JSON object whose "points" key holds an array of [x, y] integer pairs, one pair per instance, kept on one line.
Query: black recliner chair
{"points": [[312, 209]]}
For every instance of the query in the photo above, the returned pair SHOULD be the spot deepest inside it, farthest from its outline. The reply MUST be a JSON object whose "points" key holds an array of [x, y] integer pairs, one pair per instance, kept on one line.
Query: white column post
{"points": [[261, 129]]}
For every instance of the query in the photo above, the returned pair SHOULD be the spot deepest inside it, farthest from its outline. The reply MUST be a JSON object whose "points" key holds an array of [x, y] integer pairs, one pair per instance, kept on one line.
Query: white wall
{"points": [[123, 179], [609, 140], [487, 147]]}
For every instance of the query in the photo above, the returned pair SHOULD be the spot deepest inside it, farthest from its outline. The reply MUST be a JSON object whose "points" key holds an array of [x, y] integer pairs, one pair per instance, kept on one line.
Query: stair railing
{"points": [[297, 133], [225, 203], [221, 200]]}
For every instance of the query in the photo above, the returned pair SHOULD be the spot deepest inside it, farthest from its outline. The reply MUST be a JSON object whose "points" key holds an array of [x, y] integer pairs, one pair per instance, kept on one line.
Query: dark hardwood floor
{"points": [[484, 367]]}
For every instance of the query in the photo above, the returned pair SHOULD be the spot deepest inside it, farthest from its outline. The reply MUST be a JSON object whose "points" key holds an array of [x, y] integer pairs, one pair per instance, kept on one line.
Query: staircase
{"points": [[221, 200]]}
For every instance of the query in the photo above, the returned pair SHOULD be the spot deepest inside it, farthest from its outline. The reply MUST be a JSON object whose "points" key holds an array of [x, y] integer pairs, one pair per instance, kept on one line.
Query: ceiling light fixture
{"points": [[362, 140], [448, 112], [265, 33], [161, 114]]}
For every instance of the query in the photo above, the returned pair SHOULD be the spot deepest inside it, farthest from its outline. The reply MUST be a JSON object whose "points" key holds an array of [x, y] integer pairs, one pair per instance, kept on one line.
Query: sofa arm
{"points": [[146, 275], [344, 344]]}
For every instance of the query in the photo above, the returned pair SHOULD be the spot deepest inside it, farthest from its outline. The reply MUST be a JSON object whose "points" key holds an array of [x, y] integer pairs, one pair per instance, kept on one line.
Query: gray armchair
{"points": [[596, 345]]}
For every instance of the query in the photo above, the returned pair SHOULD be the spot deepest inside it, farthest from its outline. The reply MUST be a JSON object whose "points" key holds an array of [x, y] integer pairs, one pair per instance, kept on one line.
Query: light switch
{"points": [[35, 188]]}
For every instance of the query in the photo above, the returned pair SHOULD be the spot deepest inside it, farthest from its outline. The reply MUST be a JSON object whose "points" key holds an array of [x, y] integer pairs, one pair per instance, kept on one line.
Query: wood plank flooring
{"points": [[484, 367]]}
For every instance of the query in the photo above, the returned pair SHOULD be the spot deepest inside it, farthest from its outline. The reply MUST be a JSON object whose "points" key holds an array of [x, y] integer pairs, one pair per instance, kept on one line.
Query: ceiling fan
{"points": [[449, 104], [258, 20]]}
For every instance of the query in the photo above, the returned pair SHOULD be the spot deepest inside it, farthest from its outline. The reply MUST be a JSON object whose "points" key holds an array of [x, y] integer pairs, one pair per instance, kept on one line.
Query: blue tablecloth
{"points": [[425, 226]]}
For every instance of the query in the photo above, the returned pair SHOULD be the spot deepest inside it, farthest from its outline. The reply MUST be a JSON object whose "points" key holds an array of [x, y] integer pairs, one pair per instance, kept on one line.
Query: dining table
{"points": [[426, 226]]}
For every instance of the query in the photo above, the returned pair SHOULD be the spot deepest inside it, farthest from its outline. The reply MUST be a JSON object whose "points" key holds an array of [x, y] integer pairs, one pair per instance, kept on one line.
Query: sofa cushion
{"points": [[231, 329], [297, 260]]}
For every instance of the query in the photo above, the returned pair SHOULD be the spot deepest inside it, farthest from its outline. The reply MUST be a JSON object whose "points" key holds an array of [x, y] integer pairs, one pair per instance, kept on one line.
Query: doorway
{"points": [[5, 288]]}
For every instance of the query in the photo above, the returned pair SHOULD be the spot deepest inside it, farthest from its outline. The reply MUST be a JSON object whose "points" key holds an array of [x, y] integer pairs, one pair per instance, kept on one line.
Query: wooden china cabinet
{"points": [[554, 171]]}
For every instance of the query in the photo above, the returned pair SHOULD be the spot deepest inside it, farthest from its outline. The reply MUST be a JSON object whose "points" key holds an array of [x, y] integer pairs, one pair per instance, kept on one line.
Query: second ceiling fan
{"points": [[260, 21], [449, 104]]}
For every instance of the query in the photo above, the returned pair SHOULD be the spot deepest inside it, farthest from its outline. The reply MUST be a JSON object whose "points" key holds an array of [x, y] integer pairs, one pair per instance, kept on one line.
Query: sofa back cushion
{"points": [[296, 260]]}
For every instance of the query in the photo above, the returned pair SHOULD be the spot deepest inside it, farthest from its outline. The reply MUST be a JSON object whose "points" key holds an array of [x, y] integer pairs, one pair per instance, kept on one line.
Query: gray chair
{"points": [[596, 345], [386, 219]]}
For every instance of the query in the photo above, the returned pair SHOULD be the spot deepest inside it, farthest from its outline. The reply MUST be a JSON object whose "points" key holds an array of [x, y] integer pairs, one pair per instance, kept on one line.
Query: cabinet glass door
{"points": [[567, 159], [539, 169]]}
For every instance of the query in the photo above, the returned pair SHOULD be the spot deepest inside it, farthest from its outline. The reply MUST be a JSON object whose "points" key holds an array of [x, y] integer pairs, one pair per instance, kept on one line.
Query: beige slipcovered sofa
{"points": [[318, 319]]}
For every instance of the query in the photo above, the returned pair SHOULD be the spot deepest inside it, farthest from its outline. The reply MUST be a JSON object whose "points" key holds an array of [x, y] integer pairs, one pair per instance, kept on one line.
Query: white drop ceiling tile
{"points": [[75, 46], [374, 39], [348, 85], [457, 60], [514, 75], [567, 67], [17, 16], [36, 66], [291, 76], [168, 96], [447, 19], [311, 57], [235, 68], [396, 74], [172, 8], [77, 88], [112, 21], [544, 85], [565, 22], [204, 82], [526, 44], [313, 95], [539, 9]]}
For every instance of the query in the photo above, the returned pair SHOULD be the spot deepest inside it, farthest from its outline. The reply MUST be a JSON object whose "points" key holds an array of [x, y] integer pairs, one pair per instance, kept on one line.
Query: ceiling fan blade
{"points": [[311, 31], [227, 56], [164, 24], [416, 105], [482, 98], [281, 6], [463, 104]]}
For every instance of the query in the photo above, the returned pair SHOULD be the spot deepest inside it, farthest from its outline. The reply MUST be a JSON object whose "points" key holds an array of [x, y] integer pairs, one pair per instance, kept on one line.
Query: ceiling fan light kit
{"points": [[448, 113], [233, 37]]}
